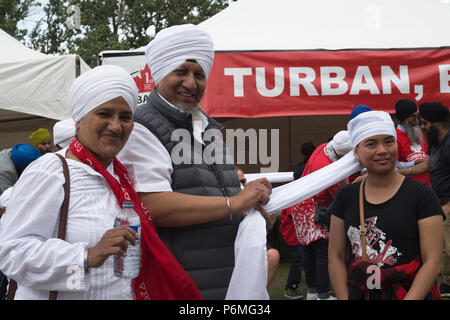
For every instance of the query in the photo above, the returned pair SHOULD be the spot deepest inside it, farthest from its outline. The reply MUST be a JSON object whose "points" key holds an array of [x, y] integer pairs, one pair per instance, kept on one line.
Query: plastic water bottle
{"points": [[128, 266]]}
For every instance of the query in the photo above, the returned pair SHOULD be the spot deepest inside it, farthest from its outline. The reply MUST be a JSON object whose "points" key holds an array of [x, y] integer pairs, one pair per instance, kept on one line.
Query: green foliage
{"points": [[13, 11], [104, 24]]}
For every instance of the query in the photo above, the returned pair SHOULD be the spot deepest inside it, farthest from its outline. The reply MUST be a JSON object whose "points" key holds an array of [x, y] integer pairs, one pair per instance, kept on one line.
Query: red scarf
{"points": [[161, 276]]}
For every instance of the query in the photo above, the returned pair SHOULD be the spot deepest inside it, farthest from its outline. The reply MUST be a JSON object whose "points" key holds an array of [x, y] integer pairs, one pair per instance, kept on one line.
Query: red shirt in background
{"points": [[303, 213], [408, 152]]}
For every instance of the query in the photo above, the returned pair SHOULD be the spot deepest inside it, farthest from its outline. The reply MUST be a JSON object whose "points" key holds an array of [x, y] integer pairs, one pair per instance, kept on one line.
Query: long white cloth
{"points": [[249, 278], [273, 177]]}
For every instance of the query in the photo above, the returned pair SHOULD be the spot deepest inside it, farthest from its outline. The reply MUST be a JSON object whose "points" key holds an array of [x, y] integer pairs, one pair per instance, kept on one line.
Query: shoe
{"points": [[292, 294], [445, 290], [329, 298], [311, 296]]}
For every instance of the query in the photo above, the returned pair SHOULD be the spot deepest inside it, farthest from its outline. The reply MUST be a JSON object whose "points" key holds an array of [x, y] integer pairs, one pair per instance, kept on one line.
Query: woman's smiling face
{"points": [[377, 153], [105, 129]]}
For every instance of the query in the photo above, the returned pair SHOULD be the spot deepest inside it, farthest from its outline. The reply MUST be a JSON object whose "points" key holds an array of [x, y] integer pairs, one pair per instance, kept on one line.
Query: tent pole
{"points": [[77, 66]]}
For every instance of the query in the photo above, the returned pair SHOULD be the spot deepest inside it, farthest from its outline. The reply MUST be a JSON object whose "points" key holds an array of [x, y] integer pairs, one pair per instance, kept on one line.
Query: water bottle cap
{"points": [[128, 204]]}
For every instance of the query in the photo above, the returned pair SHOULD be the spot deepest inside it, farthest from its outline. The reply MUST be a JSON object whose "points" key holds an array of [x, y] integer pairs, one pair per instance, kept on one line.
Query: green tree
{"points": [[100, 29], [51, 34], [13, 11], [113, 24], [143, 19]]}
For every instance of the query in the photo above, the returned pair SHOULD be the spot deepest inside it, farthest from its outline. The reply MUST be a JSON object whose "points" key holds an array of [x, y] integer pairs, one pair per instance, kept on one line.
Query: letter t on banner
{"points": [[238, 79]]}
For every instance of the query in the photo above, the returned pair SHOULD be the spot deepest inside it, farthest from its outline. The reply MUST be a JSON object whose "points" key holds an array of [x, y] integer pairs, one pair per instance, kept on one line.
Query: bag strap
{"points": [[362, 225], [61, 228], [63, 212]]}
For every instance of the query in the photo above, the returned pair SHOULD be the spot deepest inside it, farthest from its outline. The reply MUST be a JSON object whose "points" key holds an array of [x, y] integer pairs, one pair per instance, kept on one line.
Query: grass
{"points": [[276, 288]]}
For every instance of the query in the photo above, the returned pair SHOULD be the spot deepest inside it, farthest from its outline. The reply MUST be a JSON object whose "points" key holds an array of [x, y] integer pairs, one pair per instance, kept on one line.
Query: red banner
{"points": [[283, 83]]}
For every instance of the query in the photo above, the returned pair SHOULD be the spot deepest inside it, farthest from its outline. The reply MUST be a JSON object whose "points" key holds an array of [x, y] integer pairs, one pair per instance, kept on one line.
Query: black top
{"points": [[440, 169], [392, 228]]}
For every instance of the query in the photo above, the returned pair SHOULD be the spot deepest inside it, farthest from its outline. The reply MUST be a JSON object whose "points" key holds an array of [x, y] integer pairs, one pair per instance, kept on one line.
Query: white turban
{"points": [[63, 132], [340, 145], [171, 47], [368, 124], [98, 86]]}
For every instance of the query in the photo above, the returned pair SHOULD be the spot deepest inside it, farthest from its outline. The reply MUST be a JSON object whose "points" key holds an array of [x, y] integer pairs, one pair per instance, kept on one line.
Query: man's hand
{"points": [[255, 193], [270, 218]]}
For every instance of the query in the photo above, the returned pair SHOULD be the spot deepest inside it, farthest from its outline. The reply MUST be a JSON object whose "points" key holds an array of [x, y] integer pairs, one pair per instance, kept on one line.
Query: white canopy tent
{"points": [[252, 25], [33, 87], [267, 34]]}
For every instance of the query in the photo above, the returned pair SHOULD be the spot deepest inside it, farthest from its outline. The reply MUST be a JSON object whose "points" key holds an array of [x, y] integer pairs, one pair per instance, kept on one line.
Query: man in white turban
{"points": [[195, 204]]}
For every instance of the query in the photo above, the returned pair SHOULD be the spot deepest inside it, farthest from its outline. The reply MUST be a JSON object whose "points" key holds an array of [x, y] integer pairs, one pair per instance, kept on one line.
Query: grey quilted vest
{"points": [[205, 251]]}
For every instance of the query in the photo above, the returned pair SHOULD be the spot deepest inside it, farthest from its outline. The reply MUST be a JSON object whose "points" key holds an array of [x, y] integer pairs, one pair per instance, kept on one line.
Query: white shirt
{"points": [[146, 159], [30, 252], [199, 121]]}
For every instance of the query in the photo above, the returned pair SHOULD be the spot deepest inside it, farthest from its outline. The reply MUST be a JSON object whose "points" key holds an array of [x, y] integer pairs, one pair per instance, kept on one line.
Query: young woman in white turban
{"points": [[402, 222], [102, 102]]}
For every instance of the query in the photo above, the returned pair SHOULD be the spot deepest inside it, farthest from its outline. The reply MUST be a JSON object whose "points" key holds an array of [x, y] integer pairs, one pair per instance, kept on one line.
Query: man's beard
{"points": [[432, 136], [184, 109], [414, 133]]}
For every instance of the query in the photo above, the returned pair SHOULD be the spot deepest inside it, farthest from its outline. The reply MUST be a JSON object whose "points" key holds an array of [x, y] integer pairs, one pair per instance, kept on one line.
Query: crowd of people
{"points": [[391, 215]]}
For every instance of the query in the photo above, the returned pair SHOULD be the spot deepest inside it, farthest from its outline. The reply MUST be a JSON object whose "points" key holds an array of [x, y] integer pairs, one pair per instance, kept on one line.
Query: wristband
{"points": [[86, 265], [228, 206]]}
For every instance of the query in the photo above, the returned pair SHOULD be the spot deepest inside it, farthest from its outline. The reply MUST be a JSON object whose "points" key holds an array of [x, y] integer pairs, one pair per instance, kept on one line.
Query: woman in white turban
{"points": [[396, 254], [102, 102]]}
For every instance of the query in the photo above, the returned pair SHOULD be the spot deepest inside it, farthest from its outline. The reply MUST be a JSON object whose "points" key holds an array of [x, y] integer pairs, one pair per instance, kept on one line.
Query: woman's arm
{"points": [[431, 244], [336, 258], [28, 253]]}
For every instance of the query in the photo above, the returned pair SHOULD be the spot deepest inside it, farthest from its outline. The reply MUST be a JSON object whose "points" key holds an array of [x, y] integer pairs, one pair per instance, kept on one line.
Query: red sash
{"points": [[161, 276]]}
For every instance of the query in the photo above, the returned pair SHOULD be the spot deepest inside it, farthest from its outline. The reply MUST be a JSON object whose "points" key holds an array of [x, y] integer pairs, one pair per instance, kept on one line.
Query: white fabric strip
{"points": [[249, 278], [273, 177]]}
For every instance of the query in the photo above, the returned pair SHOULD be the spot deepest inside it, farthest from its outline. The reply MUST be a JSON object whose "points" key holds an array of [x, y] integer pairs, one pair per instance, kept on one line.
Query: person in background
{"points": [[312, 236], [287, 231], [412, 146], [41, 140], [358, 110], [63, 133], [402, 223], [12, 163], [306, 150], [434, 123]]}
